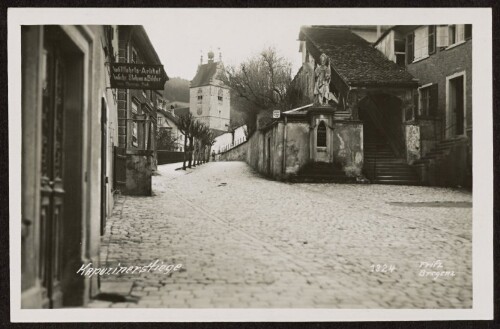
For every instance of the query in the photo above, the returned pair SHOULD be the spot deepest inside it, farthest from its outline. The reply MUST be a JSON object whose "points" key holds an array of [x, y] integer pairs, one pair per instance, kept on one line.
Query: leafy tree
{"points": [[260, 84]]}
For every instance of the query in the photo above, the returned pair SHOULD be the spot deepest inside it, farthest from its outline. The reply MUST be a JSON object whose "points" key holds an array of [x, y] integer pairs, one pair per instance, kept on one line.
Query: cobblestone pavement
{"points": [[245, 241]]}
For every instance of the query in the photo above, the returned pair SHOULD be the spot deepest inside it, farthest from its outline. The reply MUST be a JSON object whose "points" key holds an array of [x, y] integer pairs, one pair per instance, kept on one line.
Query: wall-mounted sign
{"points": [[138, 76], [276, 114]]}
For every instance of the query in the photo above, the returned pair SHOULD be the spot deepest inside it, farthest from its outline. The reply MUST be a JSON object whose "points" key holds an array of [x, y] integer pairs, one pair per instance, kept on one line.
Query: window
{"points": [[200, 96], [134, 108], [321, 135], [220, 97], [134, 58], [431, 39], [134, 134], [468, 31], [428, 101], [456, 34], [160, 121], [410, 48]]}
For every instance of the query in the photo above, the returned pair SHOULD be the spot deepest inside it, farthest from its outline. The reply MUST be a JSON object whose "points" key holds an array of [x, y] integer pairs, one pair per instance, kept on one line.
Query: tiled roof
{"points": [[204, 74], [354, 59]]}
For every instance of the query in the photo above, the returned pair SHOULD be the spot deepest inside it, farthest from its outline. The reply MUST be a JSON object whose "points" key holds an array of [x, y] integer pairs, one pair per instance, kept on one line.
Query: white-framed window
{"points": [[160, 121]]}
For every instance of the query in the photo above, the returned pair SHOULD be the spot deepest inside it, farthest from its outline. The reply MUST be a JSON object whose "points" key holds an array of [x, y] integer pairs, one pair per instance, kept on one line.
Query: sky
{"points": [[184, 36]]}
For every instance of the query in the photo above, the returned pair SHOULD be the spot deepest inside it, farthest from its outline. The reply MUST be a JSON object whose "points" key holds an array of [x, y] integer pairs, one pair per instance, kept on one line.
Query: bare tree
{"points": [[184, 125], [260, 84]]}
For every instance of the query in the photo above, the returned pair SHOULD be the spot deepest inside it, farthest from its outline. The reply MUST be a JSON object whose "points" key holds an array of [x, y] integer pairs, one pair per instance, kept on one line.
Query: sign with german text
{"points": [[138, 76], [276, 114]]}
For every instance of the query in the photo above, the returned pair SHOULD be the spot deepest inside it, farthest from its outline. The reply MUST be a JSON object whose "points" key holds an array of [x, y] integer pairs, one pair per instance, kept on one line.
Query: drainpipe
{"points": [[284, 146]]}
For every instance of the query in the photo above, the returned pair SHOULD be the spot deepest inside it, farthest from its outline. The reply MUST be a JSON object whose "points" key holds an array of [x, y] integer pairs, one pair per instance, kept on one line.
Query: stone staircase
{"points": [[322, 172], [441, 150], [381, 166], [446, 164]]}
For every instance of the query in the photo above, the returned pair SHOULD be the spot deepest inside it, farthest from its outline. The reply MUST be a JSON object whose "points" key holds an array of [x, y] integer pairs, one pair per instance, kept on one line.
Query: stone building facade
{"points": [[209, 98], [69, 127], [135, 157], [440, 56]]}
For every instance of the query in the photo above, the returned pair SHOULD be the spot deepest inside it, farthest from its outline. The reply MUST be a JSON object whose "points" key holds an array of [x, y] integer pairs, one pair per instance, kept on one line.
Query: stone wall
{"points": [[347, 147], [237, 153], [297, 147]]}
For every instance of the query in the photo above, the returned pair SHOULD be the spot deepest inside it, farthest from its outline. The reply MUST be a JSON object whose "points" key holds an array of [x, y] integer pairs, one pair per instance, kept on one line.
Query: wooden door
{"points": [[52, 185], [104, 152]]}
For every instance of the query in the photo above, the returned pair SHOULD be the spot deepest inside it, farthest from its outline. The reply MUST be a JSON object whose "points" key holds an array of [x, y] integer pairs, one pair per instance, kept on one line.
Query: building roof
{"points": [[354, 59], [180, 111], [205, 74]]}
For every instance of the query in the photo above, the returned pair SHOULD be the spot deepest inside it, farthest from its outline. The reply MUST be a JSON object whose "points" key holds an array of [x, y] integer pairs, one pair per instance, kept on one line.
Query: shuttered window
{"points": [[410, 54], [431, 39]]}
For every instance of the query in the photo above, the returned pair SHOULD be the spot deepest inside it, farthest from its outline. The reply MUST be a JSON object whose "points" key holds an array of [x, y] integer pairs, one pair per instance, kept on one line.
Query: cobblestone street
{"points": [[248, 242]]}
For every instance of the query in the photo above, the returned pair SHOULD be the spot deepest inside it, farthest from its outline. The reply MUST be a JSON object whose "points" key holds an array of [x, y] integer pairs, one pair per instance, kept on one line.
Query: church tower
{"points": [[209, 98]]}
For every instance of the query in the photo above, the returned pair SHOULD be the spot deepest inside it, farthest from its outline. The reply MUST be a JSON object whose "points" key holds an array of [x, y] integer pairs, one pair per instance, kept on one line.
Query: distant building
{"points": [[167, 120], [440, 56], [209, 98]]}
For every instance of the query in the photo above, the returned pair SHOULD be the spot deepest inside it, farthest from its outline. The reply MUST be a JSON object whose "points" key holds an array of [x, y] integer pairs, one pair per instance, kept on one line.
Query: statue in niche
{"points": [[322, 75]]}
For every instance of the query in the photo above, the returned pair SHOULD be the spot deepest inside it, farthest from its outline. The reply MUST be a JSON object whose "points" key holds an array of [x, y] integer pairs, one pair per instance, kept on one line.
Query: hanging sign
{"points": [[138, 76]]}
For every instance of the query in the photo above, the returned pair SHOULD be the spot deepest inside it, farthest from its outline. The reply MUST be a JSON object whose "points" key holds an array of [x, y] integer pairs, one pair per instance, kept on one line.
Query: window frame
{"points": [[410, 48], [431, 39], [323, 132], [431, 108]]}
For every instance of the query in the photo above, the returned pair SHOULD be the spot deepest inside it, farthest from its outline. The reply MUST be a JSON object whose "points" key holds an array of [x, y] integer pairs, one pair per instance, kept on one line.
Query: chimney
{"points": [[220, 55]]}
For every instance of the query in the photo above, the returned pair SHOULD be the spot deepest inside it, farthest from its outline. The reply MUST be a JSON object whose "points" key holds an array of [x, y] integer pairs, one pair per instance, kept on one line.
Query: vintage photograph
{"points": [[291, 165]]}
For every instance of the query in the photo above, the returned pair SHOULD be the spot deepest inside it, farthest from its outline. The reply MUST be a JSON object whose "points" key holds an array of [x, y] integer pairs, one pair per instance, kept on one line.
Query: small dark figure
{"points": [[213, 155]]}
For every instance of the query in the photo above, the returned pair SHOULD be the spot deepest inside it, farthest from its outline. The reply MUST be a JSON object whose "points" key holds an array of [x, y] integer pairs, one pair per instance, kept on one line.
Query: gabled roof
{"points": [[354, 59], [204, 75]]}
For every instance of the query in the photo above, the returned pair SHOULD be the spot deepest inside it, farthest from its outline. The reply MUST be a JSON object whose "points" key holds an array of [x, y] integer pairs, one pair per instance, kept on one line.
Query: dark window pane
{"points": [[409, 49], [321, 135], [432, 39], [468, 31]]}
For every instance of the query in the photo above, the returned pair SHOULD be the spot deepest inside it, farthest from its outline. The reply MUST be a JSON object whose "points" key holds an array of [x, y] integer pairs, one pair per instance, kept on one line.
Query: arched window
{"points": [[321, 135], [220, 97]]}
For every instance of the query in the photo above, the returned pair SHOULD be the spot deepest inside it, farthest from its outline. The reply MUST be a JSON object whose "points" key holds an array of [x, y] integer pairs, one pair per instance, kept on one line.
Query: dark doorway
{"points": [[457, 105], [382, 119], [269, 155]]}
